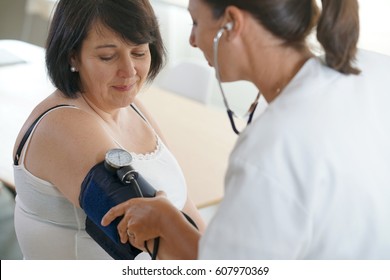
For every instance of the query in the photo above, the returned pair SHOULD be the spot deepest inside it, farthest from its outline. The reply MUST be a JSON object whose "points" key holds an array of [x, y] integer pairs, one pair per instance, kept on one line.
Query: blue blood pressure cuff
{"points": [[100, 191]]}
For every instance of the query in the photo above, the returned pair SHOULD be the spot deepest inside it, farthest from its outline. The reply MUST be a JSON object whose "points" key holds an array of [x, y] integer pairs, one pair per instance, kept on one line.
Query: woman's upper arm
{"points": [[66, 145]]}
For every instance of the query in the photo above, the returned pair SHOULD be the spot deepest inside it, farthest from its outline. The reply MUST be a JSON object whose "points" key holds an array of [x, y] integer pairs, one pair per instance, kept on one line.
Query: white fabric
{"points": [[9, 247], [309, 178], [48, 226]]}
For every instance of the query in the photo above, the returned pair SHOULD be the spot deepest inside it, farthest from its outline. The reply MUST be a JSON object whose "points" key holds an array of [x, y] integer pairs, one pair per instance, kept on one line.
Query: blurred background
{"points": [[28, 20]]}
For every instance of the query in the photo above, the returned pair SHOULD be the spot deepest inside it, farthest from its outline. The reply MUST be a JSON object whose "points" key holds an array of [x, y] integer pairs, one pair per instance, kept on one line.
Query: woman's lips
{"points": [[123, 88]]}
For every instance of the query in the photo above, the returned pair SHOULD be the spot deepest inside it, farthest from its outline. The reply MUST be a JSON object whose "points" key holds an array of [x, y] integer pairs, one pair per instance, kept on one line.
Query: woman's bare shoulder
{"points": [[62, 122], [68, 139]]}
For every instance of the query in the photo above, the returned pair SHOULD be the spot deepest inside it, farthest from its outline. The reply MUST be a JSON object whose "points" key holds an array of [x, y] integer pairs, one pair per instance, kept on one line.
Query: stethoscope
{"points": [[230, 113]]}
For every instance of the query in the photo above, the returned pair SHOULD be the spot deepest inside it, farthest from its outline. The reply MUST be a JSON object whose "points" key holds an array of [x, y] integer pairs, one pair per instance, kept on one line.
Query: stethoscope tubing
{"points": [[230, 112]]}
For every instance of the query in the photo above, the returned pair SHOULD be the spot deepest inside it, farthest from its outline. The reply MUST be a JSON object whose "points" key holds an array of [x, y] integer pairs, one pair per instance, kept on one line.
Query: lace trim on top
{"points": [[150, 155], [147, 156]]}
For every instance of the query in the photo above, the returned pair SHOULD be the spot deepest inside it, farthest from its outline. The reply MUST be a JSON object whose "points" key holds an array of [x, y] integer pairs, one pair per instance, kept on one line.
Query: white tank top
{"points": [[48, 226]]}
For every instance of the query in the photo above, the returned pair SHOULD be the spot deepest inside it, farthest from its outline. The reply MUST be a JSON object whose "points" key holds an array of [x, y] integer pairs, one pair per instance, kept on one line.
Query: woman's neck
{"points": [[108, 117]]}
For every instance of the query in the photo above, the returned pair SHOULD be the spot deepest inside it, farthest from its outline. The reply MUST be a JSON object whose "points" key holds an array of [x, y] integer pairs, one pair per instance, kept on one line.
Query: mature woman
{"points": [[99, 56], [308, 179]]}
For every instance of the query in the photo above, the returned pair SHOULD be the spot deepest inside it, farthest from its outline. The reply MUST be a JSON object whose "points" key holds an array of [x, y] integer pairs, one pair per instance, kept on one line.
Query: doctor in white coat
{"points": [[309, 178]]}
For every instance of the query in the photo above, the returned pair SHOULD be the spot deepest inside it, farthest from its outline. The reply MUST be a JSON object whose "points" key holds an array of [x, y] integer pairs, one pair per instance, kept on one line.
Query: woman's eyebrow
{"points": [[106, 46]]}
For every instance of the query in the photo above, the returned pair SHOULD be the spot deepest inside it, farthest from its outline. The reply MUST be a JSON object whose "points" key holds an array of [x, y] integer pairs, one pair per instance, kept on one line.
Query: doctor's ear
{"points": [[234, 18]]}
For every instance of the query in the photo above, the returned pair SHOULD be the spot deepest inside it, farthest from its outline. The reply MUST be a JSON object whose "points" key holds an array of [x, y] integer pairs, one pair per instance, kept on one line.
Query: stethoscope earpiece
{"points": [[229, 26]]}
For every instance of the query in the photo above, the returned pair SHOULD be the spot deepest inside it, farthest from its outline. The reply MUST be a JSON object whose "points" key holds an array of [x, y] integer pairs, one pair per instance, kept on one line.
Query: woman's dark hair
{"points": [[133, 20], [293, 21]]}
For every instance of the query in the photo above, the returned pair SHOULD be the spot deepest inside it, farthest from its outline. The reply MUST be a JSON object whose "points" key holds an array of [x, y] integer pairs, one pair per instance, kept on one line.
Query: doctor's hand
{"points": [[142, 218]]}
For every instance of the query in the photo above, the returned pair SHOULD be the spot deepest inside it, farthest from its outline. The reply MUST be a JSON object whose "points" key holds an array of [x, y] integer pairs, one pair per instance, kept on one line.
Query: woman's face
{"points": [[204, 28], [111, 70]]}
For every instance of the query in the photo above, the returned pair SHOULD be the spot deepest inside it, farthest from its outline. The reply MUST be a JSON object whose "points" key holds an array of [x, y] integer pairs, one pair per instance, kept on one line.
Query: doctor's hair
{"points": [[293, 20], [132, 20], [338, 32]]}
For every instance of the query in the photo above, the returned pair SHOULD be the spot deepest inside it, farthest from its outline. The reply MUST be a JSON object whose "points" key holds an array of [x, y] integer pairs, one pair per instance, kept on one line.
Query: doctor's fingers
{"points": [[142, 230], [126, 234], [119, 210], [137, 220], [141, 220], [115, 212], [140, 216]]}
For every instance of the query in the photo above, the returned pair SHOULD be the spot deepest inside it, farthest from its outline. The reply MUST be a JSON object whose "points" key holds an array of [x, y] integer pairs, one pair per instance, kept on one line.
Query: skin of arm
{"points": [[64, 147]]}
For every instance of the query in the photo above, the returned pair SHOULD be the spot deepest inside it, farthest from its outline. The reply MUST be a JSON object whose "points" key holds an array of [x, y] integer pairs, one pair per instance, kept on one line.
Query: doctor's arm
{"points": [[148, 218]]}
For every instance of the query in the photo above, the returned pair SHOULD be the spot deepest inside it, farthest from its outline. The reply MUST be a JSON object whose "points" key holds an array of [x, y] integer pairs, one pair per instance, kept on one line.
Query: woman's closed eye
{"points": [[106, 57], [138, 54], [140, 51]]}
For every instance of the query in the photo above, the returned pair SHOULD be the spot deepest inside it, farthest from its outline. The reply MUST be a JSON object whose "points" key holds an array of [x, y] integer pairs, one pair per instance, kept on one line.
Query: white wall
{"points": [[375, 25]]}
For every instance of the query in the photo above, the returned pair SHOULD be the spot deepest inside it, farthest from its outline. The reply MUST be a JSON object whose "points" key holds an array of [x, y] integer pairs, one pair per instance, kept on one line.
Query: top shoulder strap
{"points": [[30, 129], [138, 112]]}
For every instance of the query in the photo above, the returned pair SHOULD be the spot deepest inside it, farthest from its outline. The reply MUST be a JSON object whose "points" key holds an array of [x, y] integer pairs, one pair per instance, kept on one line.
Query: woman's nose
{"points": [[127, 68]]}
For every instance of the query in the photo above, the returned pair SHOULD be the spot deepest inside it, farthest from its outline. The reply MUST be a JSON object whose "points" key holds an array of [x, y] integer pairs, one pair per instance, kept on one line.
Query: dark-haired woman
{"points": [[99, 55], [309, 178]]}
